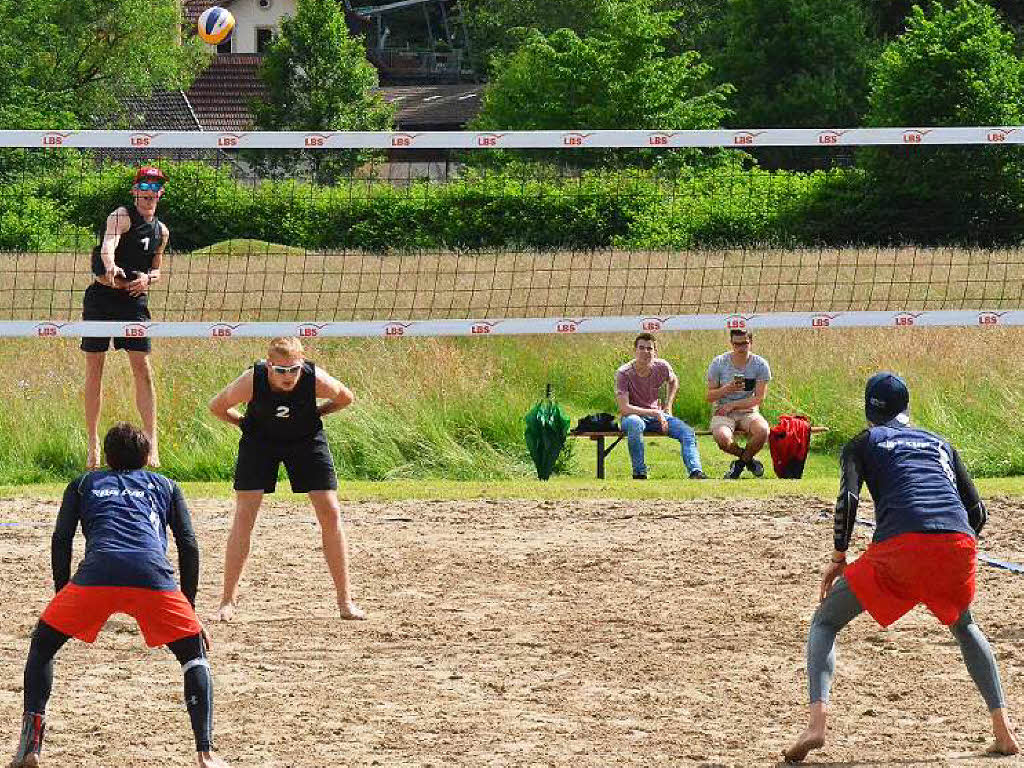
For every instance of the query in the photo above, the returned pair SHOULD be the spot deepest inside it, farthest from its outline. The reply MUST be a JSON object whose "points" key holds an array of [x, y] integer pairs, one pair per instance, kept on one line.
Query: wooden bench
{"points": [[602, 451]]}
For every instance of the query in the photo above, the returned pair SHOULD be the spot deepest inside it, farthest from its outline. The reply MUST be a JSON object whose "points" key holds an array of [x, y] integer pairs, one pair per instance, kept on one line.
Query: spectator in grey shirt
{"points": [[737, 382]]}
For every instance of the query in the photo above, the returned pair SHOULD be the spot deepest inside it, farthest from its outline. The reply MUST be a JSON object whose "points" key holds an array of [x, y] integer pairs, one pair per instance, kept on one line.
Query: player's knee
{"points": [[632, 424]]}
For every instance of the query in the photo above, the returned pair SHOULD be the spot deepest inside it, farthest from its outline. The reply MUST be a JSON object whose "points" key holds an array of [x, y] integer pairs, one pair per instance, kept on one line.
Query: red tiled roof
{"points": [[219, 101], [221, 94]]}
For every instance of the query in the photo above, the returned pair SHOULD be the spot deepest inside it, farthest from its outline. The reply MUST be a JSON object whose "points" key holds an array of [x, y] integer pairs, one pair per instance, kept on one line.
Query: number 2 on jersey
{"points": [[283, 412]]}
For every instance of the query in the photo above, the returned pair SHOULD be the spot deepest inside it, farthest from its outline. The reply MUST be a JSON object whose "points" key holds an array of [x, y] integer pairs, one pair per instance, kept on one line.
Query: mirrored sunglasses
{"points": [[287, 368], [150, 186]]}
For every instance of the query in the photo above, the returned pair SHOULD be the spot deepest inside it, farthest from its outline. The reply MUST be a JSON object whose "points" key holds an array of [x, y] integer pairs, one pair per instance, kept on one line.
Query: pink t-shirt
{"points": [[643, 390]]}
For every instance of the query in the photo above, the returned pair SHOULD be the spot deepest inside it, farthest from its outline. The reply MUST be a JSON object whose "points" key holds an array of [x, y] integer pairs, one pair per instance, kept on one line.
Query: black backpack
{"points": [[596, 422]]}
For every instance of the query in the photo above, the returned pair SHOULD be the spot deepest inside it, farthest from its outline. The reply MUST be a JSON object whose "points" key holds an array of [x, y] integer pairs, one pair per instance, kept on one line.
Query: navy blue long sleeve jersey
{"points": [[917, 482], [125, 517]]}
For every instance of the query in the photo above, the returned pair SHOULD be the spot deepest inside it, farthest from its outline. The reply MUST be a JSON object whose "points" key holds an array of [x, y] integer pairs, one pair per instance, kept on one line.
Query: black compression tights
{"points": [[189, 651]]}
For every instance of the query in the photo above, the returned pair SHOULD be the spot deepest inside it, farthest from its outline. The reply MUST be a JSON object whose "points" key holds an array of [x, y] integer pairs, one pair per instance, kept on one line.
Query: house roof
{"points": [[219, 101], [440, 107], [221, 93]]}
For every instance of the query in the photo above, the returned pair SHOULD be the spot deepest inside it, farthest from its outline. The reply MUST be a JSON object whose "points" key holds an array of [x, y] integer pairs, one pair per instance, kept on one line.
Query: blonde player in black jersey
{"points": [[282, 424], [125, 265]]}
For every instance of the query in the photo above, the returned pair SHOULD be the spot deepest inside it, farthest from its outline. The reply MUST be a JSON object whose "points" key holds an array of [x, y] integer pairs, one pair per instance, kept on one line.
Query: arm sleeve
{"points": [[64, 535], [977, 515], [851, 479], [180, 521]]}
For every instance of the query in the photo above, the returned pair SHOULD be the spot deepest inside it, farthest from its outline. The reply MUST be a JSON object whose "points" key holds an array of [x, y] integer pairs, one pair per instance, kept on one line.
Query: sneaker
{"points": [[33, 726], [698, 475], [735, 470], [637, 476], [756, 468]]}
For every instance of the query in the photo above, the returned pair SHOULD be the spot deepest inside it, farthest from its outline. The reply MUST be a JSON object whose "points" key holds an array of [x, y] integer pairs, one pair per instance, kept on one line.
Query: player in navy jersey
{"points": [[124, 514], [928, 514], [282, 424], [125, 265]]}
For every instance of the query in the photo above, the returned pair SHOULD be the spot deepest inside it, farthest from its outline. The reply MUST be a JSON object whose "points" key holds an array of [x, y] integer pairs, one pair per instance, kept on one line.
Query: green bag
{"points": [[546, 428]]}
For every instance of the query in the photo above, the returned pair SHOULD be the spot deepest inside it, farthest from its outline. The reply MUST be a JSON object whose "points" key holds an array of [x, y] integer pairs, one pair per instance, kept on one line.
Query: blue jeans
{"points": [[634, 426]]}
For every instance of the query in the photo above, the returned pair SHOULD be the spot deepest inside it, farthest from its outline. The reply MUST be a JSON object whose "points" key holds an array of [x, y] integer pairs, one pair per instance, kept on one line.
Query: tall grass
{"points": [[453, 408]]}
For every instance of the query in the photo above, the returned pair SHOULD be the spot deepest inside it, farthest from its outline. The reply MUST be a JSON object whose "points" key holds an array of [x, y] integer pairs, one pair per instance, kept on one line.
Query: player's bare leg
{"points": [[211, 760], [724, 439], [145, 400], [812, 738], [328, 513], [93, 404], [247, 506], [1005, 742]]}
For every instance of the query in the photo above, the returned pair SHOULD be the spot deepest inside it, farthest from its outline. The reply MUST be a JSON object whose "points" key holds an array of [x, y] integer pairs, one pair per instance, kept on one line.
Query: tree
{"points": [[796, 63], [66, 64], [319, 79], [952, 67], [617, 76]]}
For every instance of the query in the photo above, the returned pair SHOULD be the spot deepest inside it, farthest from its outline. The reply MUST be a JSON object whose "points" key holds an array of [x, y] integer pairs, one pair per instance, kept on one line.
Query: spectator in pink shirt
{"points": [[637, 393]]}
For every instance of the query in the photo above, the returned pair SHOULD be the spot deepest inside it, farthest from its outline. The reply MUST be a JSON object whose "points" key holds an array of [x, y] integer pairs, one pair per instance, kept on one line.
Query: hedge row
{"points": [[728, 205]]}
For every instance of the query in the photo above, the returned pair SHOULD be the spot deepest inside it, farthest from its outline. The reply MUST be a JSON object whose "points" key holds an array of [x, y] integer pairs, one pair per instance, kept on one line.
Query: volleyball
{"points": [[215, 25]]}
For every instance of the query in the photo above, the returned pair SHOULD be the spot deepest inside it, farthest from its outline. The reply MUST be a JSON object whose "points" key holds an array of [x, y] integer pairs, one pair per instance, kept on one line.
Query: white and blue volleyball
{"points": [[215, 25]]}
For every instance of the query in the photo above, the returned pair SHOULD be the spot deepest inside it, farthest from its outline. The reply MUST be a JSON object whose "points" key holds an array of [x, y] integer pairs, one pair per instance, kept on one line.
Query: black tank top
{"points": [[282, 416], [136, 248]]}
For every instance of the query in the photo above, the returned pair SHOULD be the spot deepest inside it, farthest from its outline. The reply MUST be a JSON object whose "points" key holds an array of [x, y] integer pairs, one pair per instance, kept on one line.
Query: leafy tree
{"points": [[319, 79], [66, 64], [796, 63], [618, 76], [952, 67]]}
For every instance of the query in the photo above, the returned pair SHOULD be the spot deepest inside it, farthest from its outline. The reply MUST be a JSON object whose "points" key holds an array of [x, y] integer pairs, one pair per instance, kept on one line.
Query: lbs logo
{"points": [[738, 322], [914, 136], [988, 319], [997, 135], [574, 139], [483, 327], [54, 139], [403, 139], [136, 331], [223, 330], [651, 324], [488, 139], [822, 321], [745, 138], [568, 325], [830, 137], [659, 139], [48, 330], [142, 139], [904, 319], [394, 330], [316, 140], [228, 140], [310, 330]]}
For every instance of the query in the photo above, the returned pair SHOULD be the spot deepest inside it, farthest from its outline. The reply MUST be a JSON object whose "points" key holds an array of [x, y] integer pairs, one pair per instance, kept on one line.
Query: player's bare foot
{"points": [[1004, 746], [154, 460], [211, 760], [808, 740], [92, 458], [351, 611], [226, 612], [30, 761]]}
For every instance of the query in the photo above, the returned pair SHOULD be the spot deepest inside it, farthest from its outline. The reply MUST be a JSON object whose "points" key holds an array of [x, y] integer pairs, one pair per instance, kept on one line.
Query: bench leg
{"points": [[602, 452]]}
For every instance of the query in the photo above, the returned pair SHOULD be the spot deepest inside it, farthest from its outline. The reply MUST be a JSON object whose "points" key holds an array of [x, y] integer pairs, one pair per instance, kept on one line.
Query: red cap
{"points": [[149, 172]]}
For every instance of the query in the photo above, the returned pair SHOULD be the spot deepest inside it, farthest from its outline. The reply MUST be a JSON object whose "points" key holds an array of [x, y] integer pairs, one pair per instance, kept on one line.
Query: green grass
{"points": [[450, 409], [563, 488]]}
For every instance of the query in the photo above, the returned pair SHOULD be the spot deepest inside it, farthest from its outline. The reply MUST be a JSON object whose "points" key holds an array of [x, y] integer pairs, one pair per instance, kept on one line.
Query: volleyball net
{"points": [[402, 234]]}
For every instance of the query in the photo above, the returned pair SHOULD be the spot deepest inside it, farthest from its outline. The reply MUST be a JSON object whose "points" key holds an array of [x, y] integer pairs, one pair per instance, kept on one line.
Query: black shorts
{"points": [[308, 463], [104, 303]]}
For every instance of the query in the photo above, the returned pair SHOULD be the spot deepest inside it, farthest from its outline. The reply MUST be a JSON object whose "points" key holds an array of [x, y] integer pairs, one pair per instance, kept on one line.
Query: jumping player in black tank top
{"points": [[125, 264], [282, 423]]}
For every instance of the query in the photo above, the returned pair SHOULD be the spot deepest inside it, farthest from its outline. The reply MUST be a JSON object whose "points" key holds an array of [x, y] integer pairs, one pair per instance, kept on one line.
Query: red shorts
{"points": [[163, 616], [936, 569]]}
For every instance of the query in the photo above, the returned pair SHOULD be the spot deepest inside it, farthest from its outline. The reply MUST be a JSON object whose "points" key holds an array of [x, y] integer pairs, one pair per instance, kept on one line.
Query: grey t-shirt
{"points": [[722, 370]]}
